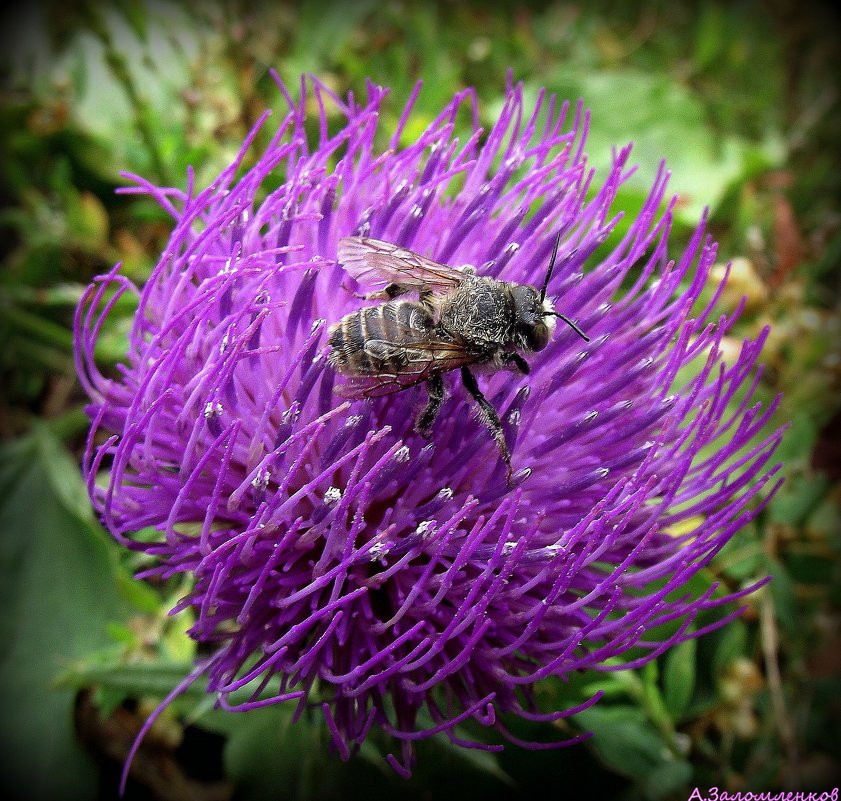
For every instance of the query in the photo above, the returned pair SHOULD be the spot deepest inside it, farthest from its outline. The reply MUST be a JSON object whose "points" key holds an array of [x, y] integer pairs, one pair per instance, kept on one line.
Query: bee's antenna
{"points": [[570, 323], [551, 267]]}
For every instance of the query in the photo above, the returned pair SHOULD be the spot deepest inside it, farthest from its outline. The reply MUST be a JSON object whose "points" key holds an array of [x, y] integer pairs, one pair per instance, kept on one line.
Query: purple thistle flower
{"points": [[338, 557]]}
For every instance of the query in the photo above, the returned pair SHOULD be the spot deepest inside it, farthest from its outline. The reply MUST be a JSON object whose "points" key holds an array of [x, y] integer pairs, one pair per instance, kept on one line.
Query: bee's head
{"points": [[534, 318], [535, 315]]}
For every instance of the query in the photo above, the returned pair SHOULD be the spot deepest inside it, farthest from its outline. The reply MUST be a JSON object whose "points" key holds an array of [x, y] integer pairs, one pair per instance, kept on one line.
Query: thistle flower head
{"points": [[337, 556]]}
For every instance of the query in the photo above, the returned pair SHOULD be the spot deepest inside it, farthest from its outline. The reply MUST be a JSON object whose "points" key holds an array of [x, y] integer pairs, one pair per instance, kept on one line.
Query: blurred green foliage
{"points": [[739, 98]]}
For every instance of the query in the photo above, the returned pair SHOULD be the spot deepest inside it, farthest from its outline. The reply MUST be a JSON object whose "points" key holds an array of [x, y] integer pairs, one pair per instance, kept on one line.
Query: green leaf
{"points": [[625, 740], [799, 441], [733, 644], [266, 755], [679, 678], [667, 780], [798, 499], [59, 590], [785, 602], [709, 39], [323, 29], [665, 120], [654, 704], [147, 678]]}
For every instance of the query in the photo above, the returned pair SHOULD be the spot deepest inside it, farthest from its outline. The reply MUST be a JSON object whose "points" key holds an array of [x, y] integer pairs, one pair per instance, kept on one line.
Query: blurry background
{"points": [[740, 98]]}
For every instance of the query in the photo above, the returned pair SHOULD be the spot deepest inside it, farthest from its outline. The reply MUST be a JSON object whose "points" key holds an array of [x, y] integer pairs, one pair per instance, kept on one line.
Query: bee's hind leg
{"points": [[489, 417], [435, 389]]}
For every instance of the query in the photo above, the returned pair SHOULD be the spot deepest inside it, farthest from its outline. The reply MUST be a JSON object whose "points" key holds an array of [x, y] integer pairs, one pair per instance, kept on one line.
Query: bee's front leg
{"points": [[435, 388], [509, 357]]}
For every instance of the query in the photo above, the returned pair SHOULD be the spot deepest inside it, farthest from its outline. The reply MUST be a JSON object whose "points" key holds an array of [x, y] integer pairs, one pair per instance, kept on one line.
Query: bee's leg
{"points": [[354, 293], [488, 416], [435, 388], [509, 357], [425, 300], [389, 292]]}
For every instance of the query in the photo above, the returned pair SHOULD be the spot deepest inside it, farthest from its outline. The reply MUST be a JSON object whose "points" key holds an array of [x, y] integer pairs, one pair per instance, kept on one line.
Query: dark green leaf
{"points": [[625, 740], [59, 592], [266, 755], [798, 499], [148, 678], [732, 645], [667, 780], [785, 602], [709, 40], [679, 678]]}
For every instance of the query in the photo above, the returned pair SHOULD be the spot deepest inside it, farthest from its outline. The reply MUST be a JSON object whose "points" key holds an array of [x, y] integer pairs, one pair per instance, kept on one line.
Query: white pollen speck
{"points": [[212, 409], [514, 417], [424, 528], [378, 551], [445, 492], [290, 414], [353, 420], [402, 454], [332, 495], [317, 324], [261, 480], [508, 548]]}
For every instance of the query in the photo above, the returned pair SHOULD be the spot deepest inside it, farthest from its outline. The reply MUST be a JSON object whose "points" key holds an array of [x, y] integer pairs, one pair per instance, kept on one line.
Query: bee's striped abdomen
{"points": [[378, 340]]}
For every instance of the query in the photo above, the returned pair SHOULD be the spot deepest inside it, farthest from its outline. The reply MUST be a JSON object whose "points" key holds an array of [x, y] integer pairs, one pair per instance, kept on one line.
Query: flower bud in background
{"points": [[337, 557]]}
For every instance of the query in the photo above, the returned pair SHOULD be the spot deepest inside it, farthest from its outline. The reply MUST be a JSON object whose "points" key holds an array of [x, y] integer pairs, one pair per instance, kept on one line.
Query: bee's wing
{"points": [[377, 263], [411, 361]]}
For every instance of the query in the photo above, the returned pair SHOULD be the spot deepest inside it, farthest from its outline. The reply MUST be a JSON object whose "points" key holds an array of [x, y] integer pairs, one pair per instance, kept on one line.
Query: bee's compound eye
{"points": [[536, 336]]}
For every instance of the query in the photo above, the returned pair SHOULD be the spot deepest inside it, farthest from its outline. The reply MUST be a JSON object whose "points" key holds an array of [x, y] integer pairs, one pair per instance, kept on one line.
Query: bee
{"points": [[459, 320]]}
